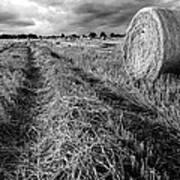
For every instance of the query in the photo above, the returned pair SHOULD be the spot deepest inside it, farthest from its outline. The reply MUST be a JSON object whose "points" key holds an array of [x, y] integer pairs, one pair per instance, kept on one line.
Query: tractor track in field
{"points": [[22, 103], [28, 104], [7, 47], [20, 107]]}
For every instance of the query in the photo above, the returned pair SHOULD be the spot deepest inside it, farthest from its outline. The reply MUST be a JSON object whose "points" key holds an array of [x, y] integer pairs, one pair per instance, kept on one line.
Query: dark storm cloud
{"points": [[12, 19], [121, 19], [113, 14], [20, 23], [6, 16], [95, 10], [110, 15]]}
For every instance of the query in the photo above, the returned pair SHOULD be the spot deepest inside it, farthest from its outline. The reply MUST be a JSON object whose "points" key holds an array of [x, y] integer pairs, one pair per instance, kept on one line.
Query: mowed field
{"points": [[68, 111]]}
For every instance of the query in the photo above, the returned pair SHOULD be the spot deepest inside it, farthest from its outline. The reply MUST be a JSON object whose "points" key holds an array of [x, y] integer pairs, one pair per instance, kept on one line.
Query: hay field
{"points": [[68, 112]]}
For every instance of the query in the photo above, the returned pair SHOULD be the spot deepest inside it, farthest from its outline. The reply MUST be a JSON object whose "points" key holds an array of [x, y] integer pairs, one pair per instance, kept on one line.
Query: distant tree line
{"points": [[91, 35], [104, 36], [18, 36], [53, 36]]}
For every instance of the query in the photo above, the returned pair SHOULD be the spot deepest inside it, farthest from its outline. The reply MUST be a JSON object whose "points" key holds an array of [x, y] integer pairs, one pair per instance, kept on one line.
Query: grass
{"points": [[70, 113]]}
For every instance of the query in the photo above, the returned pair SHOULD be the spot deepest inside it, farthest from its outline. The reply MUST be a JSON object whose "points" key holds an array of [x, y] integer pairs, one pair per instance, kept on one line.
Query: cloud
{"points": [[112, 15], [20, 23], [99, 13], [99, 16], [13, 20], [6, 16], [69, 16]]}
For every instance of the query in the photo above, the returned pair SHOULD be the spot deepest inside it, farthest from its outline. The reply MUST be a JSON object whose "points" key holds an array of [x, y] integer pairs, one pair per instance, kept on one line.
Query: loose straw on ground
{"points": [[152, 43]]}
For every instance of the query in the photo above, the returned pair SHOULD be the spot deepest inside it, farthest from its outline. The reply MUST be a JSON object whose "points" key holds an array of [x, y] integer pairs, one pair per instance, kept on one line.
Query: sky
{"points": [[48, 17]]}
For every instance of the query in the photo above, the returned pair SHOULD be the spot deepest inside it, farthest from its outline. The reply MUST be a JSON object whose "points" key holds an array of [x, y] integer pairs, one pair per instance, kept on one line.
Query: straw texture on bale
{"points": [[152, 43]]}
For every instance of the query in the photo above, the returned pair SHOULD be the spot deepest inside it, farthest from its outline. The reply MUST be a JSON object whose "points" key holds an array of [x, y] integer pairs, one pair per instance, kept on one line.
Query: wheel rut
{"points": [[21, 107]]}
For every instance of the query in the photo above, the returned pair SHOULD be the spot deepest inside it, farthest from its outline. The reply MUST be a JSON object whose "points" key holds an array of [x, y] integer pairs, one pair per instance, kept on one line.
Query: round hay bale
{"points": [[152, 43]]}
